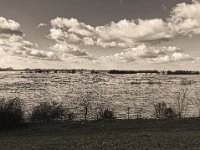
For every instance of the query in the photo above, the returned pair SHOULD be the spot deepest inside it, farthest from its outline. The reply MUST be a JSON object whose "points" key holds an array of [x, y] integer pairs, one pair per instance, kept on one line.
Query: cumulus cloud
{"points": [[8, 24], [184, 20], [131, 35], [13, 43], [124, 33], [149, 54], [181, 57], [9, 27], [69, 50], [17, 46]]}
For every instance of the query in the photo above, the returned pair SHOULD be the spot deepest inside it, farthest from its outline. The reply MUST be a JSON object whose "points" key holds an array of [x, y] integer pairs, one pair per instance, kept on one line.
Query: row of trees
{"points": [[169, 72], [52, 111], [12, 111], [182, 100], [50, 71]]}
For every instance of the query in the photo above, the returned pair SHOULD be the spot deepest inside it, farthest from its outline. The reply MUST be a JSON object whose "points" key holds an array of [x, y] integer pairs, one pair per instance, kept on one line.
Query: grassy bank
{"points": [[108, 135]]}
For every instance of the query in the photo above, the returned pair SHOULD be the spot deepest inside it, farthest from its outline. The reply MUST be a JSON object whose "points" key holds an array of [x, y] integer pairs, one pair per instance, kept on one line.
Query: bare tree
{"points": [[195, 101], [86, 104], [159, 110], [181, 102]]}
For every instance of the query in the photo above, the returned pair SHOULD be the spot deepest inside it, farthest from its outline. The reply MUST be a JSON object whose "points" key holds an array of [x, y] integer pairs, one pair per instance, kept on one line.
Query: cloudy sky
{"points": [[100, 34]]}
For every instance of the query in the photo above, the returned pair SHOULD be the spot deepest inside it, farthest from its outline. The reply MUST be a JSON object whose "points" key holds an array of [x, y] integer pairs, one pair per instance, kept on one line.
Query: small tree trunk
{"points": [[179, 115], [86, 112], [199, 113], [128, 109]]}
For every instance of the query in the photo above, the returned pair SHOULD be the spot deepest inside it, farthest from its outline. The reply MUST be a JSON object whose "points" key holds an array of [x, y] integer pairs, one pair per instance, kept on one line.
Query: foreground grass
{"points": [[105, 135]]}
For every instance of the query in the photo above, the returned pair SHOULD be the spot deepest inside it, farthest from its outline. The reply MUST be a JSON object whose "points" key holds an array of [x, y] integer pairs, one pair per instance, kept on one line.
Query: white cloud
{"points": [[181, 57], [68, 50], [41, 54], [70, 35], [72, 26], [42, 25], [12, 42], [8, 24], [184, 20], [131, 35], [124, 33], [133, 32], [174, 57], [148, 55], [17, 46]]}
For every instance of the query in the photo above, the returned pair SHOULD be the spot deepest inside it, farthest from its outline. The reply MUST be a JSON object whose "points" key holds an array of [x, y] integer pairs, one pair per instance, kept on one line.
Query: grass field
{"points": [[105, 135]]}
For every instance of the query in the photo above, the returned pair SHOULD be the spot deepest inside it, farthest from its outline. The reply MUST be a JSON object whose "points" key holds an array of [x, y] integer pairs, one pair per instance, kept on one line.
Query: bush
{"points": [[161, 111], [106, 115], [70, 116], [170, 113], [48, 112], [11, 113]]}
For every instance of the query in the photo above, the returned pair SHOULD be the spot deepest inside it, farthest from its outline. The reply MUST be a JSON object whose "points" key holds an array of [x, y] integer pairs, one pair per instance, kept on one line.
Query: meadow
{"points": [[139, 134]]}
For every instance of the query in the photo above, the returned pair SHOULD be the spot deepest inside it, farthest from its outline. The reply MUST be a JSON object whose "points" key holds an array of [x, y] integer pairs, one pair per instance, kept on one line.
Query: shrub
{"points": [[70, 116], [11, 112], [170, 113], [95, 72], [48, 112], [106, 115], [73, 71], [161, 111]]}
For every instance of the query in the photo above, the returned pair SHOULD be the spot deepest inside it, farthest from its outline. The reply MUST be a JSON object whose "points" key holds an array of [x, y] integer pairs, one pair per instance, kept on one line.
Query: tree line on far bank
{"points": [[73, 71]]}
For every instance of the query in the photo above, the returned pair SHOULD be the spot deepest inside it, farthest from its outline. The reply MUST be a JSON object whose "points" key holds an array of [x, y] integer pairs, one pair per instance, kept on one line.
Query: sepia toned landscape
{"points": [[99, 74]]}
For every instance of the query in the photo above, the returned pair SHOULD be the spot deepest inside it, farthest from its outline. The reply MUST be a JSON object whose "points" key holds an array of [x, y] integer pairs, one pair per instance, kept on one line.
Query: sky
{"points": [[100, 34]]}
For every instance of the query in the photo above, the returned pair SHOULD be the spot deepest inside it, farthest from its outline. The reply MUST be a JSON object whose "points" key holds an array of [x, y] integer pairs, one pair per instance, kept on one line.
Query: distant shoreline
{"points": [[163, 72]]}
